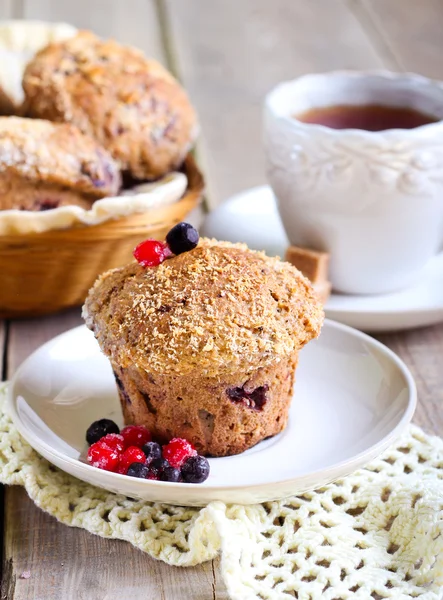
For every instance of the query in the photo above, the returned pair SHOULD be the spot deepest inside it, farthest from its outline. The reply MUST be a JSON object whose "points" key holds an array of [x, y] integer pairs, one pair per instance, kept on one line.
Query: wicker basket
{"points": [[46, 272]]}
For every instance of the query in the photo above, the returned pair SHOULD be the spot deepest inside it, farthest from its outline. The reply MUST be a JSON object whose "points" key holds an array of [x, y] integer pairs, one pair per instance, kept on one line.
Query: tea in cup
{"points": [[356, 163]]}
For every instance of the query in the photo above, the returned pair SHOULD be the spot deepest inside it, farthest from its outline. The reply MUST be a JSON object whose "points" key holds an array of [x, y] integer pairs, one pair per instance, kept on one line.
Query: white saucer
{"points": [[252, 217], [353, 398]]}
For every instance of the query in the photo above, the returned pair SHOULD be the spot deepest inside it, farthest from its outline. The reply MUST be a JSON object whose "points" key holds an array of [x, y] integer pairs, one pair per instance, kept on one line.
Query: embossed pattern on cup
{"points": [[374, 200]]}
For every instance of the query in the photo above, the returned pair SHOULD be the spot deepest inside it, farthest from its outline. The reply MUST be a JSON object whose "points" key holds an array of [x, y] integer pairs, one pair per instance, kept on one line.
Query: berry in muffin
{"points": [[131, 105], [204, 345], [45, 165]]}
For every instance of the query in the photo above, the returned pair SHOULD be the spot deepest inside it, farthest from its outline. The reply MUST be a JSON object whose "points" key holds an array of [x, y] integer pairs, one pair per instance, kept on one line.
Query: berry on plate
{"points": [[135, 435], [170, 474], [129, 456], [104, 457], [195, 469], [138, 470], [115, 441], [182, 238], [151, 253], [100, 428], [152, 451], [157, 466], [177, 451]]}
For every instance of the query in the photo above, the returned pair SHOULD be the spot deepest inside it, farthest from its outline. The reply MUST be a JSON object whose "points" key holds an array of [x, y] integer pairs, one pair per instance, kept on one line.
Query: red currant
{"points": [[178, 451], [129, 456], [114, 441], [135, 435], [102, 456], [151, 253]]}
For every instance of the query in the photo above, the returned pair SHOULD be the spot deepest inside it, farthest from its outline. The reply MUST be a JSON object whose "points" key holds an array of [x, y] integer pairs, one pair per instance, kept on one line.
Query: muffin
{"points": [[204, 346], [44, 165], [131, 105]]}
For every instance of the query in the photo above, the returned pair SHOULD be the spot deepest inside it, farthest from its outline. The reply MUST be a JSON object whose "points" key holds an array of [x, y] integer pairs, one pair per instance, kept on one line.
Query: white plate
{"points": [[353, 398], [252, 217]]}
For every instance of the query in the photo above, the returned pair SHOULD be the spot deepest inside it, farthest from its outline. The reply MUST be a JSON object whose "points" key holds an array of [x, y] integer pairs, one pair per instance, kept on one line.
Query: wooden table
{"points": [[228, 53]]}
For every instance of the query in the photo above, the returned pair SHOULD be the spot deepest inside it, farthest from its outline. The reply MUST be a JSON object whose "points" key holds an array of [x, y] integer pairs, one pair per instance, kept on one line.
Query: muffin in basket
{"points": [[204, 346], [130, 104], [98, 114], [44, 165]]}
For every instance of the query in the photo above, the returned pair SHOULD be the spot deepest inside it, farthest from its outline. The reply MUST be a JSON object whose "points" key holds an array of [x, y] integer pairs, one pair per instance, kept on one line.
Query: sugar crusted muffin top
{"points": [[130, 104], [56, 154], [217, 309]]}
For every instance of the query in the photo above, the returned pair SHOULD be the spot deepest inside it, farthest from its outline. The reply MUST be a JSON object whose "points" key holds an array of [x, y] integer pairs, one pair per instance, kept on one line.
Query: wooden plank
{"points": [[230, 53], [27, 335], [133, 22], [66, 563], [11, 9], [411, 32], [422, 351]]}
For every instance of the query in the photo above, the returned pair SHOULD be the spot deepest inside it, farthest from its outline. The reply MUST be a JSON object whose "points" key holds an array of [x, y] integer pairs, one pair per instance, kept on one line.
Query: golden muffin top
{"points": [[216, 310], [58, 154], [130, 104]]}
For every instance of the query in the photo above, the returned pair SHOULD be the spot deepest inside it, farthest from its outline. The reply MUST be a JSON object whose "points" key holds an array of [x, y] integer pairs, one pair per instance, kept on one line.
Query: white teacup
{"points": [[374, 200]]}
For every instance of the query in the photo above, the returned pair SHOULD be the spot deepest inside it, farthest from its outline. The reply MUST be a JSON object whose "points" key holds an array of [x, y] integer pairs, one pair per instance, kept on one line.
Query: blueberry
{"points": [[158, 465], [138, 470], [182, 237], [152, 451], [195, 470], [170, 474], [100, 428], [256, 399]]}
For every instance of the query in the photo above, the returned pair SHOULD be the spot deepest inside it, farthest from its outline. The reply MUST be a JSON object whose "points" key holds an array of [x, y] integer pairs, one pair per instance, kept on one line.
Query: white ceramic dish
{"points": [[353, 398], [252, 217]]}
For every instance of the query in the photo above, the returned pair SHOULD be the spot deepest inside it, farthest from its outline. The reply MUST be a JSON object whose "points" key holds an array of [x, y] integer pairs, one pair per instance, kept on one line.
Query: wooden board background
{"points": [[228, 53]]}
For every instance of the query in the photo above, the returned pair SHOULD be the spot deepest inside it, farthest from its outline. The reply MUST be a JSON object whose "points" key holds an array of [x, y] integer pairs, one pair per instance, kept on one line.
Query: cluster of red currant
{"points": [[132, 452]]}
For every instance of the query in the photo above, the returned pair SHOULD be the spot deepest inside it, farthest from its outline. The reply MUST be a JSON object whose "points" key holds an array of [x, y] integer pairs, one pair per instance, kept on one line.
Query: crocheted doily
{"points": [[376, 534]]}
